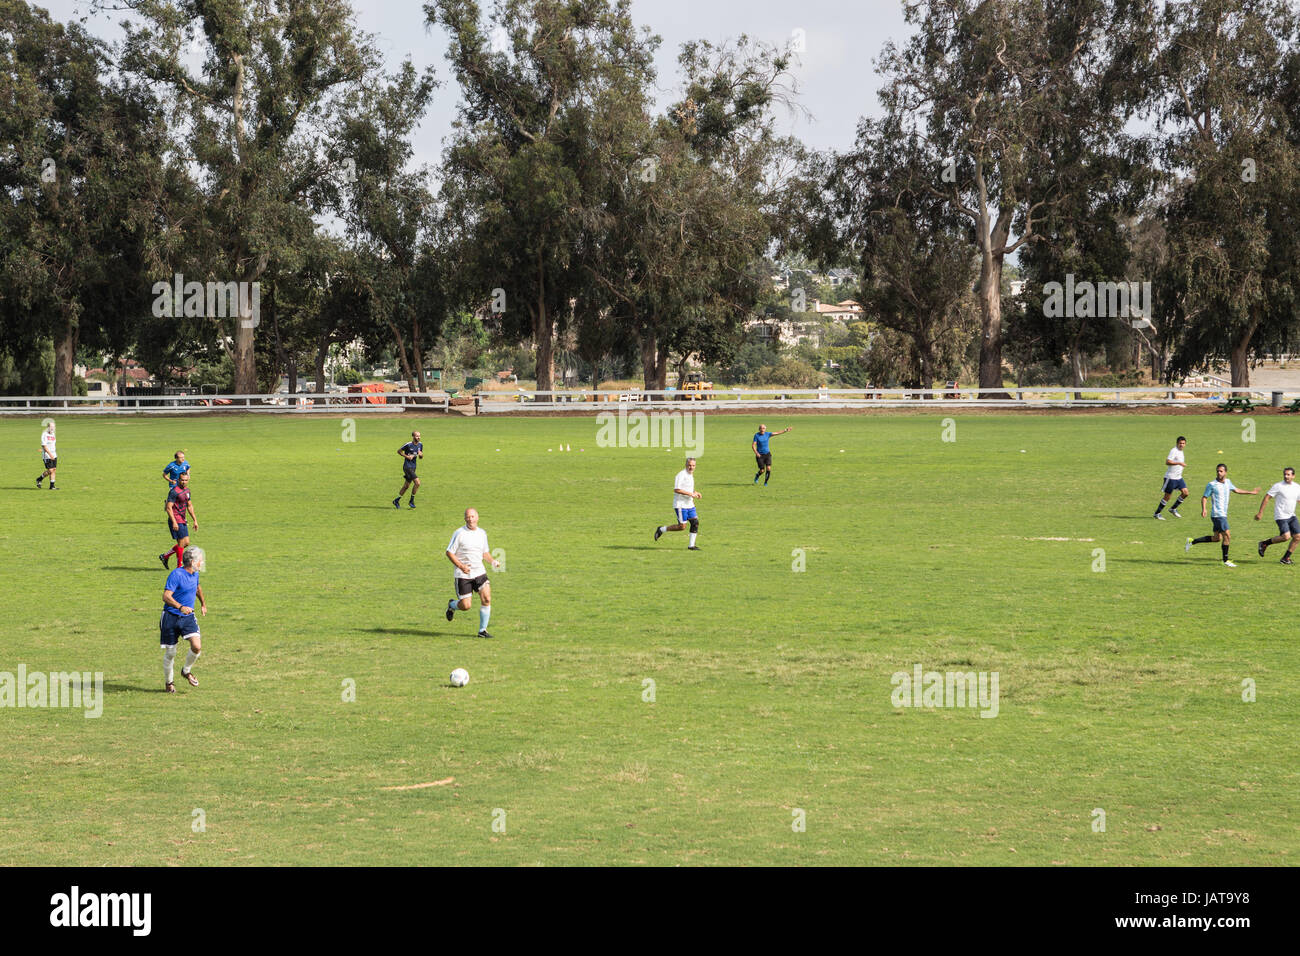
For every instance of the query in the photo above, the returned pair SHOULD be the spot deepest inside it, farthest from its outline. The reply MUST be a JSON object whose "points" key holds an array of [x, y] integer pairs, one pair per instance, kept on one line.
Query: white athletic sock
{"points": [[169, 655], [190, 658], [663, 527], [483, 614], [693, 539]]}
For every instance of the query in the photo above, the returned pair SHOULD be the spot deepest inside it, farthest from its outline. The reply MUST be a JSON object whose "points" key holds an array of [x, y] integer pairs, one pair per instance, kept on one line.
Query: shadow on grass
{"points": [[637, 547], [109, 567], [410, 631], [110, 687], [164, 521], [1136, 518], [387, 507]]}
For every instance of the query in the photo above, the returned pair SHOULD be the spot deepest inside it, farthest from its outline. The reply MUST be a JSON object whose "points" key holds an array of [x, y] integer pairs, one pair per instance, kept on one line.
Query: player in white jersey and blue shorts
{"points": [[49, 456], [1285, 494], [1217, 492], [467, 550], [1174, 465], [684, 498]]}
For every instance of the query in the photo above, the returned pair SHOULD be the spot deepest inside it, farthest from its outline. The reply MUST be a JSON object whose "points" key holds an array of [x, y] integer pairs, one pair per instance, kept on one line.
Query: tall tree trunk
{"points": [[1241, 355], [925, 358], [543, 334], [402, 358], [419, 362], [991, 325], [544, 337], [291, 372], [649, 352], [1077, 374], [65, 352], [244, 358], [322, 352]]}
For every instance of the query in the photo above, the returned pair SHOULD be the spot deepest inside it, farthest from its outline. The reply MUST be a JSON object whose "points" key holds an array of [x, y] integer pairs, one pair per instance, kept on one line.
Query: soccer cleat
{"points": [[171, 688], [411, 503], [485, 634], [450, 613], [1174, 512], [755, 481], [658, 533], [163, 558], [397, 502], [194, 681], [1228, 564], [52, 488], [694, 547], [1159, 517], [1188, 545], [1286, 559], [1263, 545], [38, 482]]}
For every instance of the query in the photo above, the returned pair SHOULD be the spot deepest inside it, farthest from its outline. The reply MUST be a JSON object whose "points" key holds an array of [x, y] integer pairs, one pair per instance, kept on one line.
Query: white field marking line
{"points": [[421, 786], [1052, 539]]}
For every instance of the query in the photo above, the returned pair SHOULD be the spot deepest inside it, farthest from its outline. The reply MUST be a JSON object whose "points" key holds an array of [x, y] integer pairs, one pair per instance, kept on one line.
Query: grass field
{"points": [[1120, 689]]}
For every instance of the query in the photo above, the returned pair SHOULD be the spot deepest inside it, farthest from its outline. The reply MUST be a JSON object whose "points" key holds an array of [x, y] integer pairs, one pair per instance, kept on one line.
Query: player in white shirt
{"points": [[49, 456], [467, 550], [1284, 494], [1174, 465], [684, 498]]}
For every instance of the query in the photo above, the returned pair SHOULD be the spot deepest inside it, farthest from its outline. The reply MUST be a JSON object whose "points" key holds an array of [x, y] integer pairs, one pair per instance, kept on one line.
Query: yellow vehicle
{"points": [[696, 384]]}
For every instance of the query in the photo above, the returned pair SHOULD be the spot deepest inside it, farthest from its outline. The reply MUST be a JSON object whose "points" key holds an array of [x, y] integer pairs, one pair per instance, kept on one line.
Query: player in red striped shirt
{"points": [[177, 506]]}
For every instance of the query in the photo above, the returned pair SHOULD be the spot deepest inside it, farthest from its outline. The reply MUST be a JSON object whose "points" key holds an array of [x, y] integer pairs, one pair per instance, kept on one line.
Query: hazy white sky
{"points": [[836, 80]]}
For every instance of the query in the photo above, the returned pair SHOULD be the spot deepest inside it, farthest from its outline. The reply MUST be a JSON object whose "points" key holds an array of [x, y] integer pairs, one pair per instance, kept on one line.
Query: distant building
{"points": [[841, 277], [850, 310]]}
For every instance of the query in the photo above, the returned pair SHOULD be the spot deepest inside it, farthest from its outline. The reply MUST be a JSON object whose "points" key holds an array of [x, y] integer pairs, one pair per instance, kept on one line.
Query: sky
{"points": [[835, 79]]}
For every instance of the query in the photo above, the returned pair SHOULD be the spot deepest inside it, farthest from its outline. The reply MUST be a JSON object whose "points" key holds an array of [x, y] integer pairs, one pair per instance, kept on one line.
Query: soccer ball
{"points": [[459, 677]]}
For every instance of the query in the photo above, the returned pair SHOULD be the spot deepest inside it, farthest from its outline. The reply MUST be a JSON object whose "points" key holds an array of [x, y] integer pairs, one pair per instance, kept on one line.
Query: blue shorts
{"points": [[1289, 525], [684, 514], [172, 627], [1174, 484], [1220, 524], [182, 531]]}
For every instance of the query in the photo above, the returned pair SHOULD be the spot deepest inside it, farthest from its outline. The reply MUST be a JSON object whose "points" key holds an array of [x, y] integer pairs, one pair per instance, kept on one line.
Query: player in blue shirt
{"points": [[411, 453], [1217, 492], [762, 454], [178, 619], [174, 469]]}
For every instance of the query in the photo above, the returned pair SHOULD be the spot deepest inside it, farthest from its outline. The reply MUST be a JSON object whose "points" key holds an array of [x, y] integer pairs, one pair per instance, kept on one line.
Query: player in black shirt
{"points": [[411, 452]]}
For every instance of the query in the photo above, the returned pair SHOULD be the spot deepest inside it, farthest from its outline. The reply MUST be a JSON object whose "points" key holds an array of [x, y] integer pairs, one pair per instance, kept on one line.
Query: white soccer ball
{"points": [[459, 677]]}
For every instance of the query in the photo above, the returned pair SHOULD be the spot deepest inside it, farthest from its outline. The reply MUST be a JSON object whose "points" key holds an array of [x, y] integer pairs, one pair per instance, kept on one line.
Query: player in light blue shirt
{"points": [[1217, 492]]}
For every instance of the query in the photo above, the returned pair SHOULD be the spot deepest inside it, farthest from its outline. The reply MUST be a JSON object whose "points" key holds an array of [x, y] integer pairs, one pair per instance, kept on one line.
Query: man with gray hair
{"points": [[467, 550], [179, 594], [684, 497]]}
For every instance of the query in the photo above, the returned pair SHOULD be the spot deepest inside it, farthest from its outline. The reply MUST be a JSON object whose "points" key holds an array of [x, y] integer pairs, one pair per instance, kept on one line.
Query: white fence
{"points": [[592, 400]]}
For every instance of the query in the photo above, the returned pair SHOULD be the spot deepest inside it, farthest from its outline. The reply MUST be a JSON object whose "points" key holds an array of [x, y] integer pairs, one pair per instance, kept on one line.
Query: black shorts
{"points": [[469, 585], [764, 461], [50, 463], [408, 472]]}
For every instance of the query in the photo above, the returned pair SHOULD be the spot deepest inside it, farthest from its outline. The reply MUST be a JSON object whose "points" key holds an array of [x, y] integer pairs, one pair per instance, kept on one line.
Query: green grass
{"points": [[1120, 689]]}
